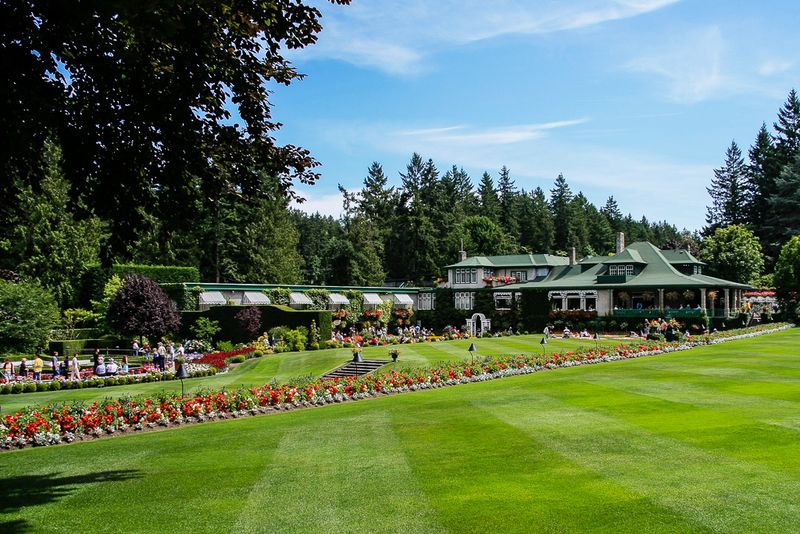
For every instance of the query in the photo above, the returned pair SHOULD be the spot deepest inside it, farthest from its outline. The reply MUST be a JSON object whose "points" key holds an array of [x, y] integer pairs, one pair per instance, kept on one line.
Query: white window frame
{"points": [[620, 270], [425, 301], [521, 276], [464, 300]]}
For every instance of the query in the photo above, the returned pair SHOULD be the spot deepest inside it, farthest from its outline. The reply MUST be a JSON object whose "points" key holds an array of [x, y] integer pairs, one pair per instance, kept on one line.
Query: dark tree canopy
{"points": [[140, 96], [141, 307]]}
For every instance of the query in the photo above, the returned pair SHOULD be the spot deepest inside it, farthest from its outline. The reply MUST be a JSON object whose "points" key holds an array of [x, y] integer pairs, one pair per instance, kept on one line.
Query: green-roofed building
{"points": [[640, 280]]}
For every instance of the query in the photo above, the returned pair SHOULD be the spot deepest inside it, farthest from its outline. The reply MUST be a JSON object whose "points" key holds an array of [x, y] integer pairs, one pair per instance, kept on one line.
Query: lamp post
{"points": [[472, 350], [596, 340], [543, 342], [181, 374]]}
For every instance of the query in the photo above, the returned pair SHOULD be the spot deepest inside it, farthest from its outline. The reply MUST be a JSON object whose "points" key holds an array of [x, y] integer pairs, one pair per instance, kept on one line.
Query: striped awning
{"points": [[373, 299], [255, 297], [338, 299], [300, 298], [403, 299], [212, 297]]}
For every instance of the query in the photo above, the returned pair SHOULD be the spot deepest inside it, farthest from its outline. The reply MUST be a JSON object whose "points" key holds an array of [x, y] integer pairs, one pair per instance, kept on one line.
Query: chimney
{"points": [[462, 254], [573, 256], [620, 242]]}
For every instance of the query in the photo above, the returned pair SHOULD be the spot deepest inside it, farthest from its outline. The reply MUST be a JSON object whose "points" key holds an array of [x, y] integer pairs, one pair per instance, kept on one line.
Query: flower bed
{"points": [[63, 422], [218, 359]]}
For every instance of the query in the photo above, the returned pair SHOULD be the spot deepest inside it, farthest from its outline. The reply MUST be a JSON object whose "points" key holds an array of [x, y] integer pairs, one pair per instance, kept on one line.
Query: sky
{"points": [[638, 99]]}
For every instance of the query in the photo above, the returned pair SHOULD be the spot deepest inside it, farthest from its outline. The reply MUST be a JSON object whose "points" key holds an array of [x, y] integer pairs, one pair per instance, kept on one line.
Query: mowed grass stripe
{"points": [[710, 489], [485, 475], [722, 429], [354, 467]]}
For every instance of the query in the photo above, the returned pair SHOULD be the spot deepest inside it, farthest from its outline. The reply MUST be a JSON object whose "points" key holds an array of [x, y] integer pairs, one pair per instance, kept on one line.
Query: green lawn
{"points": [[703, 441], [293, 364]]}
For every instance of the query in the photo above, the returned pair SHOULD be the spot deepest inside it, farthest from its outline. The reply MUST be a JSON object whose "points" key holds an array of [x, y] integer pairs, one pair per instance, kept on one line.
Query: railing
{"points": [[676, 313]]}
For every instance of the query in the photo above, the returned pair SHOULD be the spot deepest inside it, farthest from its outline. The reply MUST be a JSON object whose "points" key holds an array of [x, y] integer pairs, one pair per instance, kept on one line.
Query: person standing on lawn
{"points": [[38, 365], [8, 370], [23, 368]]}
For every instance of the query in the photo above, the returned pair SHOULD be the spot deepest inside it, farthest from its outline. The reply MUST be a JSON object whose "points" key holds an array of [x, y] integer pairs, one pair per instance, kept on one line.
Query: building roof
{"points": [[513, 260], [656, 271], [681, 257]]}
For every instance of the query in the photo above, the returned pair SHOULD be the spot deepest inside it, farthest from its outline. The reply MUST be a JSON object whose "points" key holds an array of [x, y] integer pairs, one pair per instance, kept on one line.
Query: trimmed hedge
{"points": [[95, 277], [271, 316], [68, 346]]}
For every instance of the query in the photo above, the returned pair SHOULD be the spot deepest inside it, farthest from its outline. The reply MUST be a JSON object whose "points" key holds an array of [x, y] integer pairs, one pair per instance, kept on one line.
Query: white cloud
{"points": [[462, 135], [324, 204], [396, 35], [639, 181], [691, 64], [773, 66]]}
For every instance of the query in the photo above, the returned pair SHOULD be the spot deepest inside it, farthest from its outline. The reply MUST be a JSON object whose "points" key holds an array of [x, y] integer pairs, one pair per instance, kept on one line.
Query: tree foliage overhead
{"points": [[157, 104]]}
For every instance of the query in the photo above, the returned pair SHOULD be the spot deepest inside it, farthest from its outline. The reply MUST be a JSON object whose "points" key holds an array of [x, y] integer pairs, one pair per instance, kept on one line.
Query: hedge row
{"points": [[68, 346], [96, 276], [271, 316]]}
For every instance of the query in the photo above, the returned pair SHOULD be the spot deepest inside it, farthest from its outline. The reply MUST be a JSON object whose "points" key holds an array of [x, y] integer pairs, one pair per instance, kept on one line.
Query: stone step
{"points": [[355, 369]]}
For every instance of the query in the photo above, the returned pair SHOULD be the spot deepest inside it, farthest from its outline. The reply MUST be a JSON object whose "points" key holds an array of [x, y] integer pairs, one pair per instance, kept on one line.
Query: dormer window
{"points": [[697, 269], [620, 270]]}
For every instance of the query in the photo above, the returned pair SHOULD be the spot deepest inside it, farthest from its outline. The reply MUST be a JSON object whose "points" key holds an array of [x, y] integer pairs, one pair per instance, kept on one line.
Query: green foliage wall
{"points": [[271, 316], [170, 277]]}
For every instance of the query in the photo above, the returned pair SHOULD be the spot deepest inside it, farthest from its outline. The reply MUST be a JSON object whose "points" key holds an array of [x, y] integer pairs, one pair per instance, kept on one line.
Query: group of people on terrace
{"points": [[68, 367]]}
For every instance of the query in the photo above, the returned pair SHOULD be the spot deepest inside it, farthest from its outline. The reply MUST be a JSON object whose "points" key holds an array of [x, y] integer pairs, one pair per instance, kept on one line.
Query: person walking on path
{"points": [[135, 348], [38, 365]]}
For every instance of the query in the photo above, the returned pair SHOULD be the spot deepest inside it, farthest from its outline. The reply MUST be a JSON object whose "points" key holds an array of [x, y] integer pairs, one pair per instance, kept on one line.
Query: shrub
{"points": [[55, 385], [225, 346], [236, 359], [29, 387], [250, 321], [205, 329], [18, 387], [6, 389]]}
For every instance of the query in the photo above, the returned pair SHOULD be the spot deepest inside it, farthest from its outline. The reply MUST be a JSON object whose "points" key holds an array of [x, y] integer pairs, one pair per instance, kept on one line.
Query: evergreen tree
{"points": [[787, 130], [541, 231], [760, 179], [45, 241], [561, 208], [728, 192], [601, 234], [612, 214], [579, 225], [507, 197], [489, 201], [784, 213]]}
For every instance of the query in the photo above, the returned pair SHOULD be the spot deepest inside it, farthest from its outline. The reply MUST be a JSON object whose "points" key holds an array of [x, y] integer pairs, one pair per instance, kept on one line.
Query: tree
{"points": [[484, 237], [787, 129], [733, 253], [507, 195], [760, 179], [728, 192], [540, 233], [488, 199], [141, 308], [27, 314], [783, 220], [86, 72], [612, 213], [787, 276], [45, 242], [561, 207]]}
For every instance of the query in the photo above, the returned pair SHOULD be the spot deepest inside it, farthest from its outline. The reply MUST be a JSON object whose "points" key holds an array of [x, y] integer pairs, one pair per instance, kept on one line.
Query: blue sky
{"points": [[638, 99]]}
